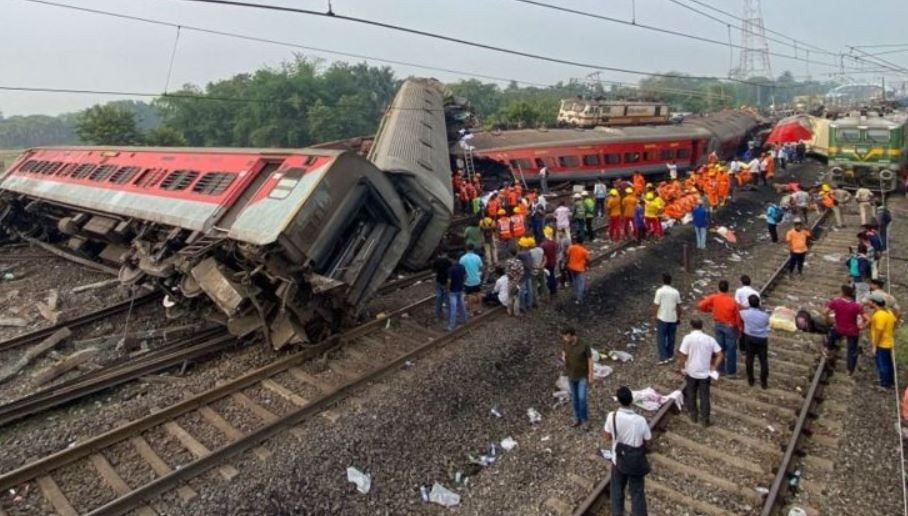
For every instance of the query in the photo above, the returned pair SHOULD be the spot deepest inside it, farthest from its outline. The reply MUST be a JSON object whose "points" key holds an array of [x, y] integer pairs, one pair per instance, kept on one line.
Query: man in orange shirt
{"points": [[577, 258], [797, 239], [639, 182], [727, 321]]}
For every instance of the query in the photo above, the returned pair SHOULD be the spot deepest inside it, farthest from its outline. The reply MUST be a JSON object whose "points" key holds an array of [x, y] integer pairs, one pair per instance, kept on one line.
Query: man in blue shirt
{"points": [[773, 218], [756, 339], [701, 222], [472, 264], [457, 275]]}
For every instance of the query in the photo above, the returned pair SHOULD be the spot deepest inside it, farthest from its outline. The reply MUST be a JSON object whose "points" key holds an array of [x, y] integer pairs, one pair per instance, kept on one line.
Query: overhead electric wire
{"points": [[663, 30], [465, 42], [195, 28]]}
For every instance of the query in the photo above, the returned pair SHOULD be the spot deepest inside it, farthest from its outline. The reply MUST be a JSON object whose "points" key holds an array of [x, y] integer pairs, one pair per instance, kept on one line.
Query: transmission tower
{"points": [[754, 60]]}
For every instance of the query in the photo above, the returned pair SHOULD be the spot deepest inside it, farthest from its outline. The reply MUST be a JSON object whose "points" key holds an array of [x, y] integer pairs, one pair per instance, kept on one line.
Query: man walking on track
{"points": [[627, 430], [577, 258], [727, 320], [756, 339], [668, 313], [797, 238], [699, 355], [849, 317], [578, 366]]}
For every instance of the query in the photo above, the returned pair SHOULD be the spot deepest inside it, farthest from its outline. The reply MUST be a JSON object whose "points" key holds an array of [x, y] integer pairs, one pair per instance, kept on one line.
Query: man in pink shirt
{"points": [[848, 315]]}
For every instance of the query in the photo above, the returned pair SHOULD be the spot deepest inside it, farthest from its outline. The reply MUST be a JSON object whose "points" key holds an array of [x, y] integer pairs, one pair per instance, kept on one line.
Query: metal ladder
{"points": [[468, 165]]}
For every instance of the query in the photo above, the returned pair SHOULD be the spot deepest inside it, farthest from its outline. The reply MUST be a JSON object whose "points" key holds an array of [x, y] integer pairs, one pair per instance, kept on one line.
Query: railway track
{"points": [[272, 400], [765, 445]]}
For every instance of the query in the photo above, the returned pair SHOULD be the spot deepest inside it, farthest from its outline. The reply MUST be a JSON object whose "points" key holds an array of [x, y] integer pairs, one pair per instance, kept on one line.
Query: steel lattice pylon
{"points": [[754, 59]]}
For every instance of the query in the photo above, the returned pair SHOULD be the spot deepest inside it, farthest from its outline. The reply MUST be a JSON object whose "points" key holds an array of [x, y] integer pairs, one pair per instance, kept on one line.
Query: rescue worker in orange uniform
{"points": [[712, 191], [503, 195], [518, 223], [493, 205], [639, 183], [628, 205], [513, 196], [723, 184], [770, 167], [505, 237], [613, 207]]}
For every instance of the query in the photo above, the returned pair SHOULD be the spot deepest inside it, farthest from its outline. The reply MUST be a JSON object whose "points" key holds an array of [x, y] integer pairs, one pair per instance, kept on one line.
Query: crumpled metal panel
{"points": [[412, 146]]}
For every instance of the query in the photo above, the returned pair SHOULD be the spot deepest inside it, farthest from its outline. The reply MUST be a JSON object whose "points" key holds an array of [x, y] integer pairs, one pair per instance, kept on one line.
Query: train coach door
{"points": [[696, 149]]}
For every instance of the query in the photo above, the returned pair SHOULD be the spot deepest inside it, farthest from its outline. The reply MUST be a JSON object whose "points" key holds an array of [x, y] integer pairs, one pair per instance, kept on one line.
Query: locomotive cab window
{"points": [[848, 135], [878, 135], [631, 157]]}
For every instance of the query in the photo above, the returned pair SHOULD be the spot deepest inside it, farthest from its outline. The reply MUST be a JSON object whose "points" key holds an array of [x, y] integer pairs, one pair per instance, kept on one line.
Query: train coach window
{"points": [[101, 173], [539, 163], [631, 157], [123, 175], [521, 164], [39, 167], [612, 159], [179, 180], [52, 168], [214, 183], [878, 135], [591, 160], [83, 171], [649, 156], [149, 177], [666, 154], [569, 161], [683, 153], [27, 166]]}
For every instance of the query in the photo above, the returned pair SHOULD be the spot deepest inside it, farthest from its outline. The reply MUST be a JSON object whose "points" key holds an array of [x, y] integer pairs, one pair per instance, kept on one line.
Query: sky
{"points": [[47, 46]]}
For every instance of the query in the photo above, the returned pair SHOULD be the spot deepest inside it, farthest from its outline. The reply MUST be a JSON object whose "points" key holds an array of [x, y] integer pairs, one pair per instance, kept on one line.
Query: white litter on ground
{"points": [[363, 481]]}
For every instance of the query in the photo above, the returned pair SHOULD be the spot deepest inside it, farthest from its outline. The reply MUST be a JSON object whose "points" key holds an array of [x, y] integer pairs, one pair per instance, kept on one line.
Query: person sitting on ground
{"points": [[499, 295]]}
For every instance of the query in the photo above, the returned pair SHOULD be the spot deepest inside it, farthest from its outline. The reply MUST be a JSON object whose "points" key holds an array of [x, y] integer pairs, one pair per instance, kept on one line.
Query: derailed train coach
{"points": [[291, 243]]}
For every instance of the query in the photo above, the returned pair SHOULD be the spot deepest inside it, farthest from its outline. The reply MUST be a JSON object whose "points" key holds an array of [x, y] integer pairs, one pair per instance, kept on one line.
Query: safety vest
{"points": [[504, 228], [492, 207], [517, 227], [827, 200]]}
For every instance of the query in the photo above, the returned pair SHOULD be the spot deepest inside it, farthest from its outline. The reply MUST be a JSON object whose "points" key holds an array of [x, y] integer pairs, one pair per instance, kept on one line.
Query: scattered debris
{"points": [[67, 363], [443, 496], [48, 309], [605, 453], [601, 371], [34, 352], [623, 356], [508, 444], [13, 321], [363, 481], [783, 318], [762, 490], [95, 286], [495, 412], [834, 258], [534, 416]]}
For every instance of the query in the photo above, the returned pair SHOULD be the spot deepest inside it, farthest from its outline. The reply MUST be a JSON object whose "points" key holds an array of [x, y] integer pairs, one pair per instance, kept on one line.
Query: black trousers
{"points": [[634, 484], [756, 347], [773, 234], [694, 389], [796, 260]]}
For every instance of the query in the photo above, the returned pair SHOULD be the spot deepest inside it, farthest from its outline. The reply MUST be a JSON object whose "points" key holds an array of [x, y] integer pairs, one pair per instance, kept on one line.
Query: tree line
{"points": [[303, 102]]}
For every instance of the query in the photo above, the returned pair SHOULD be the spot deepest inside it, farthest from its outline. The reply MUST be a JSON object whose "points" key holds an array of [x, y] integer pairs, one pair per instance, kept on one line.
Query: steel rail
{"points": [[595, 501], [81, 320], [111, 437], [192, 348]]}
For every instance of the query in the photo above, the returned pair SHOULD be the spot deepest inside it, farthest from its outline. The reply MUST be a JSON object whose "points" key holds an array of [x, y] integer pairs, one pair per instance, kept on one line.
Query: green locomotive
{"points": [[869, 151]]}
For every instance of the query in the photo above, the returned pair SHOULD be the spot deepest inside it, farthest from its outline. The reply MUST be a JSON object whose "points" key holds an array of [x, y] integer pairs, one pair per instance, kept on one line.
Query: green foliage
{"points": [[19, 132], [107, 125], [292, 106], [164, 137]]}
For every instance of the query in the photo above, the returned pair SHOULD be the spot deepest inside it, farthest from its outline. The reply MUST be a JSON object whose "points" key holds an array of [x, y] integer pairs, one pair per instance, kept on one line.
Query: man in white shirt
{"points": [[734, 166], [544, 179], [626, 427], [672, 169], [743, 294], [563, 221], [754, 167], [700, 354], [863, 196], [500, 290], [668, 312]]}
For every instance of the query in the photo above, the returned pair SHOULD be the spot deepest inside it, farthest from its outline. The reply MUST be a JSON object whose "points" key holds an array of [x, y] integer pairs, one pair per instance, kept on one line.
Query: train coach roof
{"points": [[484, 141], [190, 150]]}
